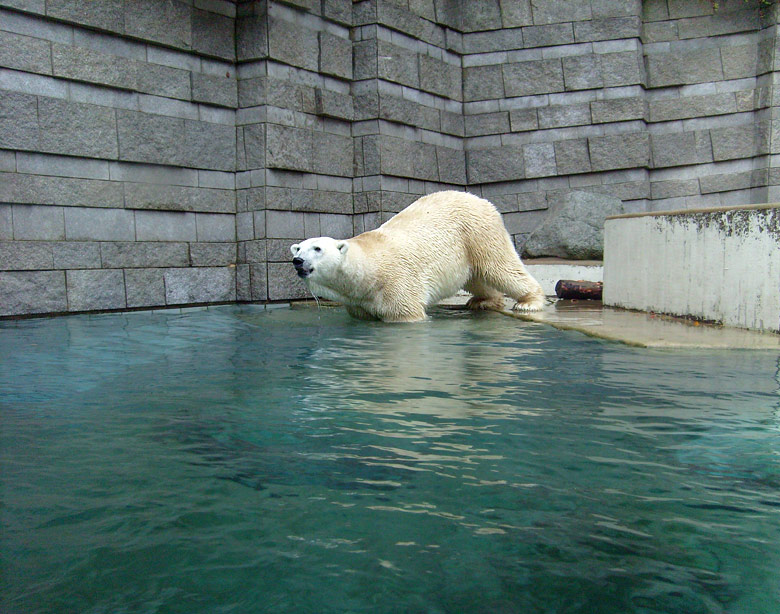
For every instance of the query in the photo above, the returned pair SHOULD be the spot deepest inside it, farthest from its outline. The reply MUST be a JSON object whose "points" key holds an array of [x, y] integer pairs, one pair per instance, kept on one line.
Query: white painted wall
{"points": [[716, 264]]}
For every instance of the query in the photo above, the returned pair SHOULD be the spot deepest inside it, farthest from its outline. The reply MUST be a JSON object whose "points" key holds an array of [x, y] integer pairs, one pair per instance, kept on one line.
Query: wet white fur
{"points": [[437, 245]]}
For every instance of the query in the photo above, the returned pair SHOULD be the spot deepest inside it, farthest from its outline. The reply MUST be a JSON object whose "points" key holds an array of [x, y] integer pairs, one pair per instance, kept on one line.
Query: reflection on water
{"points": [[299, 461]]}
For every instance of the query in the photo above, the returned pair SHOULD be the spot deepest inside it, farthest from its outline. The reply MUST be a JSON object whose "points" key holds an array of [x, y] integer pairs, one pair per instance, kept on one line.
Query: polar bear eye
{"points": [[317, 249]]}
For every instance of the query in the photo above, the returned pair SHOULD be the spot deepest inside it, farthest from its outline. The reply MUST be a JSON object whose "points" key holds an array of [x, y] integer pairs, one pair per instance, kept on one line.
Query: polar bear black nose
{"points": [[297, 261]]}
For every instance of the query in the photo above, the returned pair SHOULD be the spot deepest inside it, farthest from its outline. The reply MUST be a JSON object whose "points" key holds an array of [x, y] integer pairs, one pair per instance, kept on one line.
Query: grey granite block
{"points": [[338, 10], [557, 11], [617, 110], [144, 287], [734, 142], [614, 28], [491, 165], [335, 225], [548, 35], [288, 148], [7, 161], [678, 149], [26, 255], [179, 198], [484, 15], [6, 223], [397, 64], [619, 151], [582, 72], [284, 225], [283, 283], [163, 80], [623, 68], [256, 251], [209, 146], [572, 156], [212, 254], [440, 78], [533, 77], [137, 254], [410, 159], [523, 120], [254, 146], [245, 230], [219, 90], [684, 67], [92, 224], [258, 281], [25, 292], [38, 222], [18, 121], [25, 53], [243, 284], [61, 166], [167, 22], [333, 104], [165, 226], [292, 44], [560, 116], [483, 83], [76, 255], [77, 129], [259, 224], [35, 189], [539, 160], [486, 123], [95, 290], [215, 227], [365, 62], [335, 55], [516, 13], [451, 165], [200, 285], [213, 34], [332, 154], [252, 36], [106, 14], [83, 64], [144, 137], [674, 189]]}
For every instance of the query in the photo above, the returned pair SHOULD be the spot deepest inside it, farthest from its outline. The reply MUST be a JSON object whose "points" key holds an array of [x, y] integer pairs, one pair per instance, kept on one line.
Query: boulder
{"points": [[574, 228]]}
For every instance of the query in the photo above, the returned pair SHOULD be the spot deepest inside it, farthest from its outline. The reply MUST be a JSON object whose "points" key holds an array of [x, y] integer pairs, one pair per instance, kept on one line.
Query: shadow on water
{"points": [[298, 460]]}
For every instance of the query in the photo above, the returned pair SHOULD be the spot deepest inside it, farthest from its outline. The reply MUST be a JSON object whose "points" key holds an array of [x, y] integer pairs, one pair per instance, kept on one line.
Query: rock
{"points": [[574, 228]]}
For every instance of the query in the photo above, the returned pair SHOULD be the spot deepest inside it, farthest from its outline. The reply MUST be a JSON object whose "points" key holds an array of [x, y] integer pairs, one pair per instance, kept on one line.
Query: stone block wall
{"points": [[166, 153]]}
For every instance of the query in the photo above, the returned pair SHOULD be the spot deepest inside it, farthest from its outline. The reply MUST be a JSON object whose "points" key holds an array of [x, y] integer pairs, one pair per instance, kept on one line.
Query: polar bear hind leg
{"points": [[483, 296], [513, 280]]}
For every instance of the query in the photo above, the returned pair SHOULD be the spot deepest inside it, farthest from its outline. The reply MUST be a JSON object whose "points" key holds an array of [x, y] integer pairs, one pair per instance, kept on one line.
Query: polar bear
{"points": [[441, 243]]}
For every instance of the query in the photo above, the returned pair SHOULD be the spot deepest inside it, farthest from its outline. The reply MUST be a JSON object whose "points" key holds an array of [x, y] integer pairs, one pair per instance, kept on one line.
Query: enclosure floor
{"points": [[638, 328]]}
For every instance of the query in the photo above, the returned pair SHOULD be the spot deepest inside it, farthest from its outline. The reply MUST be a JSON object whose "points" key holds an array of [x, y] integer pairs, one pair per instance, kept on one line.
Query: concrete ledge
{"points": [[720, 264]]}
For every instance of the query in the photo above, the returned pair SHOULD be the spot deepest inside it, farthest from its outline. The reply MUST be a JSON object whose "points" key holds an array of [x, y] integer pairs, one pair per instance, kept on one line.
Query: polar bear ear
{"points": [[295, 248], [342, 246]]}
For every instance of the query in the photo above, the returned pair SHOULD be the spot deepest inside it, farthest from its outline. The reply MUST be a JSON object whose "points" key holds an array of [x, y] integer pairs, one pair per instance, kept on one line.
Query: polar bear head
{"points": [[318, 258]]}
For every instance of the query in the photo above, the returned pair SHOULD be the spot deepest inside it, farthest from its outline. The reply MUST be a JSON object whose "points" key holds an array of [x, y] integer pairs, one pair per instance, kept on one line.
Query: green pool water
{"points": [[241, 460]]}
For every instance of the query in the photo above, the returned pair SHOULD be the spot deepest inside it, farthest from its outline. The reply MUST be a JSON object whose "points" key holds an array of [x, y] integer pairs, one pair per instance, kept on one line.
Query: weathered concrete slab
{"points": [[719, 264]]}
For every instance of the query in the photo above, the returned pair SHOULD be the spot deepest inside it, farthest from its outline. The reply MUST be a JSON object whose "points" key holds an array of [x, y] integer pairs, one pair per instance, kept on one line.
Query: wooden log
{"points": [[578, 289]]}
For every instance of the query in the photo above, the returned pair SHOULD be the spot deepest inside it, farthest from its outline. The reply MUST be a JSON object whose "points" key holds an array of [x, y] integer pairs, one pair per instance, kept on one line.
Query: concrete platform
{"points": [[636, 328], [643, 329]]}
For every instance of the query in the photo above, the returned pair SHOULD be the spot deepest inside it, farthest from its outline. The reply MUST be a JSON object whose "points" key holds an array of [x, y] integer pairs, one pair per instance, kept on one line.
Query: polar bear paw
{"points": [[531, 304], [492, 303]]}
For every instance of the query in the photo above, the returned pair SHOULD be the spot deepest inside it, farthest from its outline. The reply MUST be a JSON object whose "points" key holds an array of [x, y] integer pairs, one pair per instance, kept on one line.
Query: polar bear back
{"points": [[437, 241]]}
